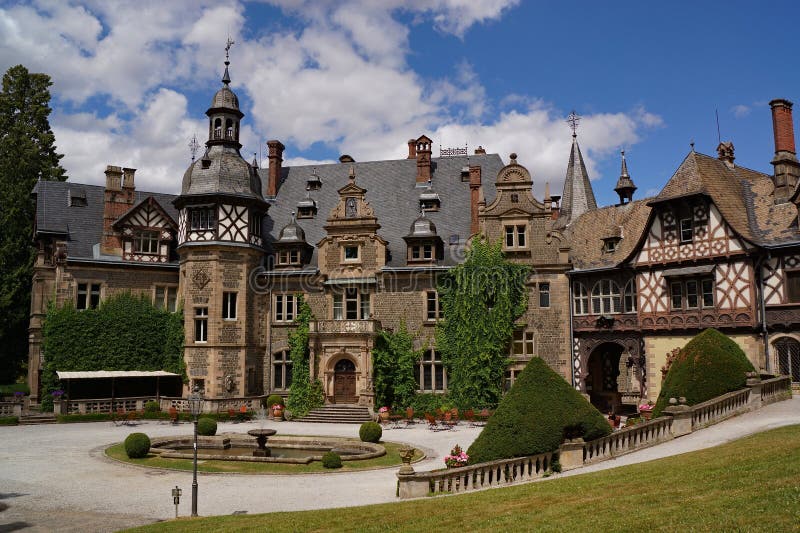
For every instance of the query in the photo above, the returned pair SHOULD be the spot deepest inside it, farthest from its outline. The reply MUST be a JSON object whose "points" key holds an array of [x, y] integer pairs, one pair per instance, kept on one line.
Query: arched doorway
{"points": [[787, 353], [344, 382], [601, 381]]}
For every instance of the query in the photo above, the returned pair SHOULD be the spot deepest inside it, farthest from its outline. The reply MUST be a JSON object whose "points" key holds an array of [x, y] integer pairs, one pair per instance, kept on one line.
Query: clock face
{"points": [[350, 208]]}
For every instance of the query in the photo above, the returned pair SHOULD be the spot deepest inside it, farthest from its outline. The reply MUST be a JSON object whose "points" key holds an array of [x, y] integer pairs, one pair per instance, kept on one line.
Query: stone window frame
{"points": [[89, 294], [200, 325], [284, 307], [164, 301], [515, 235], [281, 366], [522, 345], [544, 295], [428, 369], [510, 376], [290, 256], [229, 305], [421, 249], [362, 304], [432, 306], [343, 246]]}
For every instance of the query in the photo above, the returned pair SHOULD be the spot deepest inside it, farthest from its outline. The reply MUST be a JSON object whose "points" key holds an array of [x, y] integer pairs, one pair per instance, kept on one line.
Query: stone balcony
{"points": [[344, 327]]}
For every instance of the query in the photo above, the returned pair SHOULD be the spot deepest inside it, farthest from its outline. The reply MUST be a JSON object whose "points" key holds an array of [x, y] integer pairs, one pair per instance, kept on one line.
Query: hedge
{"points": [[207, 426], [710, 365], [9, 420], [370, 432], [137, 445], [331, 460], [535, 416], [125, 332]]}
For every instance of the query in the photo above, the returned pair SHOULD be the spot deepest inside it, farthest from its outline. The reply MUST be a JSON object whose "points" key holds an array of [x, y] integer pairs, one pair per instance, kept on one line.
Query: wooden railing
{"points": [[776, 389], [628, 440], [719, 408]]}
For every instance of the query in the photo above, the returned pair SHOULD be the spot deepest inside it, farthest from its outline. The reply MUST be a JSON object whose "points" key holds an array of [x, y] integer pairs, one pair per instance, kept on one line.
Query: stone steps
{"points": [[339, 414], [33, 419]]}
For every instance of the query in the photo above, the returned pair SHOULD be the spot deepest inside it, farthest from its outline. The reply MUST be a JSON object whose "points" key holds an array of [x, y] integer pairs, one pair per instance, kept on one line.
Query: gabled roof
{"points": [[149, 201], [393, 194], [83, 226]]}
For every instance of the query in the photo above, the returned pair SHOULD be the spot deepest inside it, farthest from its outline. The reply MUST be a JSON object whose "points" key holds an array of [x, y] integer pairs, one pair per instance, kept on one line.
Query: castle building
{"points": [[611, 289]]}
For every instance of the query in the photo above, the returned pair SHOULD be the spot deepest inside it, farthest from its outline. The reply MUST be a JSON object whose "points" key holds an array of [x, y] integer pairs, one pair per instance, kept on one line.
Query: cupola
{"points": [[625, 187], [424, 245], [429, 199], [291, 248]]}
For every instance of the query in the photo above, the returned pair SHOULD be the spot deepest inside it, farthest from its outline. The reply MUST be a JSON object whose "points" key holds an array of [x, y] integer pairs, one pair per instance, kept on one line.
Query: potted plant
{"points": [[277, 411], [457, 458], [646, 410], [383, 413], [59, 405]]}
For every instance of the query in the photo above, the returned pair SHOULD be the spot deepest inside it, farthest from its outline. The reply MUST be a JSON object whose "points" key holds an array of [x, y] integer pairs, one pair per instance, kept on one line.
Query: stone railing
{"points": [[475, 477], [344, 326], [101, 405], [10, 408], [627, 440], [680, 419], [215, 405], [776, 389]]}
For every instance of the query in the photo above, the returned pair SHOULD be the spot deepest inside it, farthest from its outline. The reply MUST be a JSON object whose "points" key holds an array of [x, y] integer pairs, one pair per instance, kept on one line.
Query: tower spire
{"points": [[625, 187], [578, 196]]}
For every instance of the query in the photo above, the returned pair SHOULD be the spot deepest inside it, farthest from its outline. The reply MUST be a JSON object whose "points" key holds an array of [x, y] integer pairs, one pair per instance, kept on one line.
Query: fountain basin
{"points": [[282, 449]]}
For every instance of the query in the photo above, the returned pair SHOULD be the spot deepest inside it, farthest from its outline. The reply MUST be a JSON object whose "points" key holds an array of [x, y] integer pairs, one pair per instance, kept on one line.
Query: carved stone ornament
{"points": [[228, 382], [200, 278]]}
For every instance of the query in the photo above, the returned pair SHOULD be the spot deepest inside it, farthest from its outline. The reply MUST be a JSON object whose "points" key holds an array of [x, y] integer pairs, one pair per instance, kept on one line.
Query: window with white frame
{"points": [[88, 296], [580, 299], [432, 309], [285, 309], [430, 373], [351, 304], [629, 297], [229, 306], [289, 257], [201, 324], [202, 218], [281, 370], [350, 253], [515, 236], [510, 377], [687, 232], [522, 345], [146, 242], [690, 294], [606, 298], [166, 297], [422, 252]]}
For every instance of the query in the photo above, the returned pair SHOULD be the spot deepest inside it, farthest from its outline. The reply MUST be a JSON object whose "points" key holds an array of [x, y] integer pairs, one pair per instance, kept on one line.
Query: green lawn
{"points": [[749, 485], [392, 458]]}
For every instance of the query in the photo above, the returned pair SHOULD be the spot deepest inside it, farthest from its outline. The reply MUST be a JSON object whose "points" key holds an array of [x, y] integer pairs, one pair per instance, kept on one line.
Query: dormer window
{"points": [[350, 253], [306, 208], [313, 183], [429, 204], [687, 232], [146, 242], [422, 252], [515, 236], [77, 198], [288, 257], [610, 244]]}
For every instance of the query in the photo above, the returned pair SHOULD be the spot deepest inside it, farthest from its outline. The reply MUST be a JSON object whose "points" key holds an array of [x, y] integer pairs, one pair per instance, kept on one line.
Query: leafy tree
{"points": [[480, 299], [304, 394], [27, 154], [393, 361]]}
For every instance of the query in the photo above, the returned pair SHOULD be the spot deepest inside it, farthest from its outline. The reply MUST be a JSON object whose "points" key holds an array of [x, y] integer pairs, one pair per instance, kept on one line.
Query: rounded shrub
{"points": [[710, 365], [137, 445], [207, 427], [331, 460], [370, 432], [535, 416], [272, 399], [152, 407]]}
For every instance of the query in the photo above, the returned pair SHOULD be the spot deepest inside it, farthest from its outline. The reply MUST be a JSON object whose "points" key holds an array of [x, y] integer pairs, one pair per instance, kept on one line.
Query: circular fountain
{"points": [[261, 436]]}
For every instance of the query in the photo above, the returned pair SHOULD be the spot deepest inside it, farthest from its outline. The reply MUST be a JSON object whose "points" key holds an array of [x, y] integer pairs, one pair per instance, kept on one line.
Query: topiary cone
{"points": [[534, 416]]}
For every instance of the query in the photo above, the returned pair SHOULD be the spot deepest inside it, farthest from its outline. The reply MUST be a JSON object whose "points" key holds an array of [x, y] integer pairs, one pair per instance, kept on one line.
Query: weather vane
{"points": [[228, 45], [194, 146], [573, 120]]}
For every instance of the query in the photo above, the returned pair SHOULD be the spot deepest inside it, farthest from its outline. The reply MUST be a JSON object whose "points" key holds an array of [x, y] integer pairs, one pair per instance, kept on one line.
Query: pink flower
{"points": [[383, 409]]}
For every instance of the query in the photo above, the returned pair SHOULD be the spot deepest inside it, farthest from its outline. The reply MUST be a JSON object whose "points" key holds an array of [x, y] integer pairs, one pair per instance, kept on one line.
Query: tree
{"points": [[393, 360], [480, 299], [27, 154]]}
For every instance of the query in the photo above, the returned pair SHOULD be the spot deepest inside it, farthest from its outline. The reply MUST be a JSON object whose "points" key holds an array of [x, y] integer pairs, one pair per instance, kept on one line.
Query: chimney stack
{"points": [[474, 198], [412, 149], [423, 153], [480, 151], [555, 210], [275, 156], [787, 168], [118, 198], [724, 154]]}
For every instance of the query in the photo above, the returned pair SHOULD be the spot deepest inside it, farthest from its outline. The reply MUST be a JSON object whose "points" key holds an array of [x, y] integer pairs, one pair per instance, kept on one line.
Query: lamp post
{"points": [[195, 406]]}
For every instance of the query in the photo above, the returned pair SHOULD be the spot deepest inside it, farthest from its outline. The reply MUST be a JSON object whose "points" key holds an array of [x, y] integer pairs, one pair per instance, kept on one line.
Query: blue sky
{"points": [[132, 80]]}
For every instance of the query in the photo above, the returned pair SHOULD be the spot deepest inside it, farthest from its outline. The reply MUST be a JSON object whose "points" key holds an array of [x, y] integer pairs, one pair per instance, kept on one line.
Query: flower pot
{"points": [[646, 415], [277, 414], [384, 416]]}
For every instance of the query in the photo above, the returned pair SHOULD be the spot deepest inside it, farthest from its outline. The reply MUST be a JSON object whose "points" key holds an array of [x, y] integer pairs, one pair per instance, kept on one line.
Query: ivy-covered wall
{"points": [[125, 332]]}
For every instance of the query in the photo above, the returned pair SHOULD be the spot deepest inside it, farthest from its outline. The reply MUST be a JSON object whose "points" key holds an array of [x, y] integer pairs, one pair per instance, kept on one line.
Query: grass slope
{"points": [[747, 485]]}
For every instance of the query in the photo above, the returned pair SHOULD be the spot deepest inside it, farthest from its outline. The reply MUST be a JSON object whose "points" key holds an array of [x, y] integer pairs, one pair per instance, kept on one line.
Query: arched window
{"points": [[629, 299], [229, 129], [580, 299], [606, 299], [218, 128], [281, 370], [430, 373], [787, 352]]}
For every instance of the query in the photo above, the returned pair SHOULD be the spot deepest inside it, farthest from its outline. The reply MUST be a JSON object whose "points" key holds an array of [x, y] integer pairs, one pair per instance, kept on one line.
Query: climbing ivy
{"points": [[304, 394], [393, 361], [480, 300], [125, 332]]}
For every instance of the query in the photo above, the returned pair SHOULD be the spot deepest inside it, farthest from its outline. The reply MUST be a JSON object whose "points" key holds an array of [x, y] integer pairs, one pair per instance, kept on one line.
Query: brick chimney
{"points": [[480, 151], [474, 198], [412, 149], [423, 152], [119, 197], [275, 156], [787, 168], [555, 210]]}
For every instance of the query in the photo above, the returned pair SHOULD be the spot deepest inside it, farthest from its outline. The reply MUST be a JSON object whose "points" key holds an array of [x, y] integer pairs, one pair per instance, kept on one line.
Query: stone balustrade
{"points": [[627, 440], [100, 405], [475, 477], [722, 407], [776, 389], [215, 405], [344, 326], [10, 408]]}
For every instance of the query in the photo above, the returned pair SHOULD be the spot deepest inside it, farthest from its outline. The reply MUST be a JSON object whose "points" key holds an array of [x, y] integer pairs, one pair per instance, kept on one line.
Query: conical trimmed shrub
{"points": [[535, 416], [710, 365]]}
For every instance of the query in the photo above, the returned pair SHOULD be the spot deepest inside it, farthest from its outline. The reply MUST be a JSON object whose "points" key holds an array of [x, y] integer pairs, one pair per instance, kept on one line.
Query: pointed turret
{"points": [[625, 187], [578, 196]]}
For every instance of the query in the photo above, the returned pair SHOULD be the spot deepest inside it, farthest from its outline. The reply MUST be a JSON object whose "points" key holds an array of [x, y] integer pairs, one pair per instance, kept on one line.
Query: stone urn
{"points": [[277, 412]]}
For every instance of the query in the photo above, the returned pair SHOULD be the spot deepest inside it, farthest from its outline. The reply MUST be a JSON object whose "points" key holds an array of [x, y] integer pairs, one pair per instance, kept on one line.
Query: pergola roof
{"points": [[101, 374]]}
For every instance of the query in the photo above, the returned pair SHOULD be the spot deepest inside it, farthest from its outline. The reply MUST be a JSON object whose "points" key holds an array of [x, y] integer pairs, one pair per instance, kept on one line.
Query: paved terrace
{"points": [[55, 477]]}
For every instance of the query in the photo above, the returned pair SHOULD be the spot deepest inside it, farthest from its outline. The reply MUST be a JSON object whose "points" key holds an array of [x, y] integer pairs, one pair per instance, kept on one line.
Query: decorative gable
{"points": [[147, 232]]}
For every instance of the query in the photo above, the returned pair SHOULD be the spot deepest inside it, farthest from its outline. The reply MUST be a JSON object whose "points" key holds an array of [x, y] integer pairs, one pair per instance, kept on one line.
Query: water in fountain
{"points": [[261, 416]]}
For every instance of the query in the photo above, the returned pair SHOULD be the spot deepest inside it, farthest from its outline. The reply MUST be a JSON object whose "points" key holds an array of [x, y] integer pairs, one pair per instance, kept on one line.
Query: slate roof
{"points": [[228, 173], [394, 195], [83, 225], [627, 222], [578, 197]]}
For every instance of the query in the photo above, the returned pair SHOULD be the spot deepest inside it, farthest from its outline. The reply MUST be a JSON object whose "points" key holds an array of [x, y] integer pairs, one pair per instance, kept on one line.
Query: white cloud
{"points": [[740, 110]]}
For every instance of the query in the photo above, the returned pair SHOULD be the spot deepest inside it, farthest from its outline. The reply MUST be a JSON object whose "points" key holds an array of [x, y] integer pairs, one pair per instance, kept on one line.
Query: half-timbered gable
{"points": [[148, 232]]}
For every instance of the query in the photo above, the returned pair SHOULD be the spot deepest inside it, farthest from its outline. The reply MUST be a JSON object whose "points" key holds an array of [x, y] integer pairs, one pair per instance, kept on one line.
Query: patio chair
{"points": [[232, 416], [132, 417], [469, 414], [410, 416], [433, 425], [118, 417], [173, 416], [449, 423]]}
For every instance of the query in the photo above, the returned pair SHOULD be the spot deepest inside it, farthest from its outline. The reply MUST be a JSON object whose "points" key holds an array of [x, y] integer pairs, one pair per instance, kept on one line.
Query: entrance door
{"points": [[344, 382], [601, 383]]}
